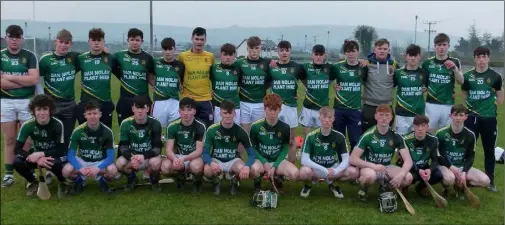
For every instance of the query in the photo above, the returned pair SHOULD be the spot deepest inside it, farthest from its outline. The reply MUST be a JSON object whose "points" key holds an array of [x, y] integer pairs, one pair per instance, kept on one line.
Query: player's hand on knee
{"points": [[380, 168], [244, 172], [462, 178], [84, 171], [34, 157], [46, 162], [93, 171], [397, 180], [215, 168], [178, 164]]}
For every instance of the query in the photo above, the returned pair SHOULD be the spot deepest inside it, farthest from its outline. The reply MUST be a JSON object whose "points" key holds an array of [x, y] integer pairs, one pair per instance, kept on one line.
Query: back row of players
{"points": [[245, 82]]}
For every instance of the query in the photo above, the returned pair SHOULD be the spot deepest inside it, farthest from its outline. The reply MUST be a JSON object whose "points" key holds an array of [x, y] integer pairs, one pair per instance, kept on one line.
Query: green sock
{"points": [[9, 169]]}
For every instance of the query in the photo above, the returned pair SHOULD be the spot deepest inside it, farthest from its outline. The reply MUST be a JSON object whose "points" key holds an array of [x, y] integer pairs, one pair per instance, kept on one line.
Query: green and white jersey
{"points": [[317, 82], [350, 78], [46, 138], [17, 65], [133, 71], [223, 142], [254, 74], [325, 150], [58, 73], [457, 149], [409, 91], [168, 78], [225, 81], [421, 151], [440, 82], [378, 148], [268, 140], [96, 75], [284, 79], [140, 138], [185, 137], [481, 89], [91, 145]]}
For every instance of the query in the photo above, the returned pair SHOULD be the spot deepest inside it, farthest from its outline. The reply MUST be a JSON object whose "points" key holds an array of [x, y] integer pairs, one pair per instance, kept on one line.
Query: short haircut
{"points": [[272, 101], [413, 50], [199, 31], [253, 41], [327, 111], [96, 34], [440, 38], [458, 108], [91, 105], [318, 49], [141, 101], [187, 102], [284, 44], [421, 119], [350, 45], [134, 32], [64, 35], [14, 31], [384, 108], [168, 44], [227, 106], [481, 50], [42, 101], [228, 49], [381, 42]]}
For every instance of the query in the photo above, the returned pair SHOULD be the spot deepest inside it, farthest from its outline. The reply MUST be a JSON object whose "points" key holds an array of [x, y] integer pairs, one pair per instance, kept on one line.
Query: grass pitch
{"points": [[182, 207]]}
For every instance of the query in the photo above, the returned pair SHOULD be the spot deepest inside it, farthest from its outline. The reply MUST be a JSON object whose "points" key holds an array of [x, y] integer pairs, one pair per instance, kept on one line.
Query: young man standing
{"points": [[457, 148], [96, 68], [325, 156], [225, 79], [379, 83], [221, 148], [378, 145], [58, 69], [270, 139], [196, 82], [168, 76], [482, 92], [443, 72], [423, 148], [140, 144], [46, 133], [91, 151], [19, 75], [316, 76], [134, 67], [284, 79], [253, 86], [349, 77], [409, 83], [184, 145]]}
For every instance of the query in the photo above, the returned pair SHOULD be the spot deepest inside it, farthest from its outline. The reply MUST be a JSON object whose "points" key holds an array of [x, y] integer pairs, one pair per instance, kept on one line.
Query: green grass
{"points": [[172, 206]]}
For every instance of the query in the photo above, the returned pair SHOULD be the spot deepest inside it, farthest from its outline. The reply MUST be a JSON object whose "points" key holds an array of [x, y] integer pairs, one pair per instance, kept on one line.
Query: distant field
{"points": [[171, 206]]}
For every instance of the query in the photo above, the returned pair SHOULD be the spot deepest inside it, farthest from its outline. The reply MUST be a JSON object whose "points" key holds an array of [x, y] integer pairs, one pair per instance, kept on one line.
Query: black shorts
{"points": [[205, 112], [107, 109], [124, 109]]}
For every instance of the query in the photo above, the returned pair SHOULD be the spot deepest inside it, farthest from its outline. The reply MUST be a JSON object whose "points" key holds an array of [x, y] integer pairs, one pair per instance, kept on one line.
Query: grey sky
{"points": [[454, 17]]}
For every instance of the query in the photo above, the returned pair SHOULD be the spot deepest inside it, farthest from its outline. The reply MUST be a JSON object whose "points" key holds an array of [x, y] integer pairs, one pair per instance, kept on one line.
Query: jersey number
{"points": [[480, 81], [97, 62]]}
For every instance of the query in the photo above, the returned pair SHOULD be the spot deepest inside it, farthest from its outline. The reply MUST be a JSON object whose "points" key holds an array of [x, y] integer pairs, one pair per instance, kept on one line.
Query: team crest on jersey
{"points": [[234, 139], [488, 81], [234, 72], [390, 143], [325, 70], [279, 134], [261, 66], [105, 59], [69, 60], [292, 70], [176, 69], [143, 62], [333, 145], [421, 77], [23, 60]]}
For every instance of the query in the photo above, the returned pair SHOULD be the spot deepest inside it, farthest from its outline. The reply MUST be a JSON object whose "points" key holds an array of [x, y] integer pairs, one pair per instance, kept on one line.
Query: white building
{"points": [[268, 49]]}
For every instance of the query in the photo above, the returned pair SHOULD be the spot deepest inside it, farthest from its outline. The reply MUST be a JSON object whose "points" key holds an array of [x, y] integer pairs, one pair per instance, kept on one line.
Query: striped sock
{"points": [[9, 169]]}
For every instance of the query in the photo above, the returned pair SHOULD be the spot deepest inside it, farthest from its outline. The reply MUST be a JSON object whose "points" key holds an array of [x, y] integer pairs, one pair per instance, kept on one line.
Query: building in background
{"points": [[268, 49]]}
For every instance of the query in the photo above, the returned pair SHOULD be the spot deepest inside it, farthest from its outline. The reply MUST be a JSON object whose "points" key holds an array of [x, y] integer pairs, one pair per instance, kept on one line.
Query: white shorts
{"points": [[166, 111], [217, 117], [87, 164], [438, 114], [320, 175], [250, 112], [289, 115], [404, 124], [181, 156], [15, 109], [310, 118], [226, 166]]}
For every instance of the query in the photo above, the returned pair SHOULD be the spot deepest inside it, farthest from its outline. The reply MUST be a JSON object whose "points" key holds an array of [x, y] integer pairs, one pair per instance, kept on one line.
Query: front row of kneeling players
{"points": [[447, 157]]}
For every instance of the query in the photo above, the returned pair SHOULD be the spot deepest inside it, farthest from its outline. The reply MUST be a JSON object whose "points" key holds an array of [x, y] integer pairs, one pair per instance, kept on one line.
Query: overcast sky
{"points": [[454, 17]]}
